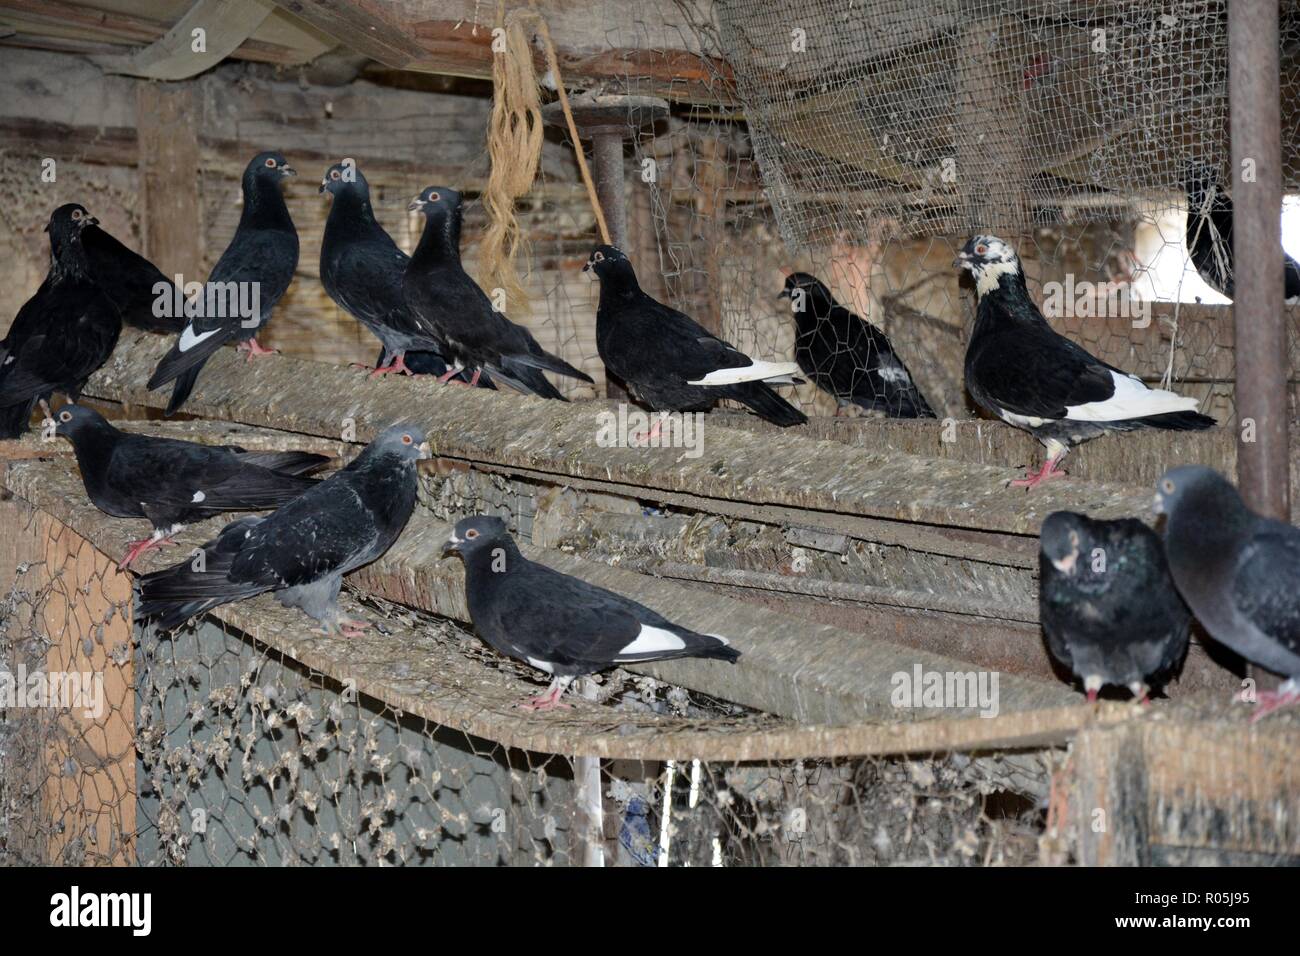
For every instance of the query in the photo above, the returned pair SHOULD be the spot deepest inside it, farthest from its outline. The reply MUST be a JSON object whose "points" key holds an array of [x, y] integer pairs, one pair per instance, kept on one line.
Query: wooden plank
{"points": [[226, 24], [74, 20], [808, 673], [169, 178]]}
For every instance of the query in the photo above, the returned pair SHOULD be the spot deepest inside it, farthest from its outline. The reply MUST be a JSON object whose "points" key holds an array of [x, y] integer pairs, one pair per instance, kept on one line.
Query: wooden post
{"points": [[169, 178], [1260, 320]]}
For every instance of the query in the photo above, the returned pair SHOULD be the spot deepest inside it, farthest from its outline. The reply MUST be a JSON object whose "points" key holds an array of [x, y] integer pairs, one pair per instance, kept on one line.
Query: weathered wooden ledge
{"points": [[506, 430], [811, 673]]}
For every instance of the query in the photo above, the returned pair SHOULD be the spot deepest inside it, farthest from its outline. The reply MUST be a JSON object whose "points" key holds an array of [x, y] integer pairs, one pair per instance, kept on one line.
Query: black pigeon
{"points": [[1107, 604], [557, 623], [453, 309], [671, 363], [62, 334], [174, 483], [1238, 571], [256, 268], [848, 357], [1209, 235], [1019, 369], [146, 298], [362, 268], [303, 550]]}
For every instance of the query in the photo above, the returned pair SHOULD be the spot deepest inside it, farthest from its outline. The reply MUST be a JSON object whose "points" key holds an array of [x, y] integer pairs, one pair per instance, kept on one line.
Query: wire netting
{"points": [[208, 747]]}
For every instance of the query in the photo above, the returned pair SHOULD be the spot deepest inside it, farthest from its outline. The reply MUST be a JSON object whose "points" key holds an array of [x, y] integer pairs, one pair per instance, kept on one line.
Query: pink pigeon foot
{"points": [[396, 367], [137, 548], [550, 700], [254, 350], [350, 628], [451, 374], [1046, 473], [1274, 700], [645, 437]]}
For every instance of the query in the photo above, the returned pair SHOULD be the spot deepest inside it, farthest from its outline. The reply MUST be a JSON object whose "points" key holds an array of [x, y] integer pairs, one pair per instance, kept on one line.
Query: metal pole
{"points": [[1258, 313]]}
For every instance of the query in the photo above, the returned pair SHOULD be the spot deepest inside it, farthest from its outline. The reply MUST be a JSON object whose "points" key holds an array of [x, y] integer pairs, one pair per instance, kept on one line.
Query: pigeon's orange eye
{"points": [[471, 533], [981, 249], [270, 161], [334, 174], [406, 439]]}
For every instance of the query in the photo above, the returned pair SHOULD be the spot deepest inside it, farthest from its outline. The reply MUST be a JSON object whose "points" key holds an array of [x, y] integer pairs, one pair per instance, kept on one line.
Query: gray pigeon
{"points": [[1238, 571], [303, 550], [557, 623]]}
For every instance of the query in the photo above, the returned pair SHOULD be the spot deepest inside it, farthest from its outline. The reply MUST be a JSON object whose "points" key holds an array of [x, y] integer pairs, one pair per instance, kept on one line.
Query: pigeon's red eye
{"points": [[76, 214], [65, 416], [270, 162], [406, 439], [471, 533], [434, 197], [334, 174], [981, 249]]}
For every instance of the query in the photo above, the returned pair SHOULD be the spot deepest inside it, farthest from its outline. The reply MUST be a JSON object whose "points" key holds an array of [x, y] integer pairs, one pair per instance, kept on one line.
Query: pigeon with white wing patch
{"points": [[1021, 370], [557, 623]]}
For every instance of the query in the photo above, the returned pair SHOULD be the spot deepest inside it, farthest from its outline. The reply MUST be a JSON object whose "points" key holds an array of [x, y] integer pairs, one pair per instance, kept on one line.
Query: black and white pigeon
{"points": [[146, 298], [558, 623], [1209, 235], [846, 356], [671, 363], [1109, 608], [458, 314], [62, 334], [301, 551], [1021, 370], [1238, 571], [361, 268], [173, 483], [255, 269]]}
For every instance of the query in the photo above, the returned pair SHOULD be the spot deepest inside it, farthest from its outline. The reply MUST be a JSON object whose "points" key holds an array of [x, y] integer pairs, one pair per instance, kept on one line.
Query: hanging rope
{"points": [[515, 137]]}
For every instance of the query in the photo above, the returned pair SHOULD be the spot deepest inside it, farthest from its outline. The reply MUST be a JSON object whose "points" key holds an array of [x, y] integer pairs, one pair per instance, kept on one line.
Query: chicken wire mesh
{"points": [[210, 748], [864, 143]]}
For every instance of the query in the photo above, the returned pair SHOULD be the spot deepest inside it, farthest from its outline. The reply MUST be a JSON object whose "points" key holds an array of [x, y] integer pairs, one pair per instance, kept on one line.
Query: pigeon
{"points": [[1109, 608], [172, 482], [671, 363], [137, 287], [301, 551], [361, 268], [1238, 571], [848, 357], [62, 334], [254, 271], [453, 309], [557, 623], [1209, 235], [1019, 369]]}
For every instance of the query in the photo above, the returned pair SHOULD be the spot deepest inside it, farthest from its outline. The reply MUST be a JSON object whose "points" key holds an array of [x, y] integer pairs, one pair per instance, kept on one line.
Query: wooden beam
{"points": [[647, 51], [169, 178]]}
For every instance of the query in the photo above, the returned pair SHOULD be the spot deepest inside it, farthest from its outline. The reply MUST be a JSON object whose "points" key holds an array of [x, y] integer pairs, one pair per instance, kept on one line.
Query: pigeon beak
{"points": [[450, 546], [960, 261], [586, 266], [324, 185], [416, 203], [288, 171], [1158, 506], [425, 450], [783, 294]]}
